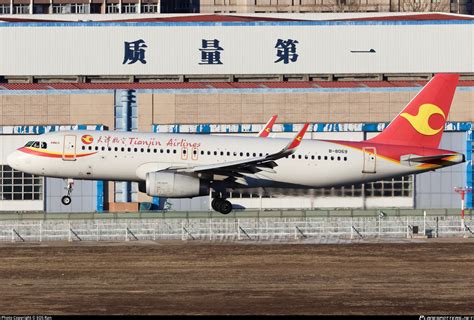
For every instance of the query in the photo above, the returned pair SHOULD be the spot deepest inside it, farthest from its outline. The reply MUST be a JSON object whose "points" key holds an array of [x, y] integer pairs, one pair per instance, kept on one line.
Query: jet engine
{"points": [[175, 185]]}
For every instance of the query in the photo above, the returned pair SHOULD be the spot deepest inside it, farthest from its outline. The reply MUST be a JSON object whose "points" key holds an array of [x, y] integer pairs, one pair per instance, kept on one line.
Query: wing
{"points": [[250, 165], [268, 127]]}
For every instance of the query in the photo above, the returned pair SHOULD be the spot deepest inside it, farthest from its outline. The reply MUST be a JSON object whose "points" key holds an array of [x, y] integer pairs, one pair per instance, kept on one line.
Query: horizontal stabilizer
{"points": [[439, 159]]}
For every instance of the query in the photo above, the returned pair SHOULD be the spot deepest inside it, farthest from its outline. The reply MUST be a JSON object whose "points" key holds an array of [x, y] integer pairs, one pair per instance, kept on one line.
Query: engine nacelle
{"points": [[174, 185]]}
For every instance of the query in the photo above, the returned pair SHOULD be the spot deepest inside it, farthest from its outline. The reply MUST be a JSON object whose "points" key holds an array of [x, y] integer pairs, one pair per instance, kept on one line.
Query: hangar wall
{"points": [[214, 107], [220, 106], [235, 48]]}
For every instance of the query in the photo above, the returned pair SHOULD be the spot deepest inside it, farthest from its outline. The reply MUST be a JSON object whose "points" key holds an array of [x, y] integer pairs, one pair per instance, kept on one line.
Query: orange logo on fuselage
{"points": [[420, 122], [87, 139]]}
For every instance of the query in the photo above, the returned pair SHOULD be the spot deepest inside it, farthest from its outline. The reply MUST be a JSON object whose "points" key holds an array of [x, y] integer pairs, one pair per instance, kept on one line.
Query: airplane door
{"points": [[69, 148], [370, 160]]}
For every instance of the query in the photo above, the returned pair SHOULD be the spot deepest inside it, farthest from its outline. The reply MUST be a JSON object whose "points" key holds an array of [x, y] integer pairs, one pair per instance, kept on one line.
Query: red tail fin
{"points": [[422, 121]]}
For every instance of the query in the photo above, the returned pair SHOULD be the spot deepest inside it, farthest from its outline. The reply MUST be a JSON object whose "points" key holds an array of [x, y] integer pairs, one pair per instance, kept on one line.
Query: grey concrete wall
{"points": [[436, 189], [84, 196]]}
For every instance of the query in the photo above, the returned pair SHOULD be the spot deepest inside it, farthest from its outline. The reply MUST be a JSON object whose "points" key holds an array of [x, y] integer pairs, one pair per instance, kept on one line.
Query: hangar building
{"points": [[349, 75]]}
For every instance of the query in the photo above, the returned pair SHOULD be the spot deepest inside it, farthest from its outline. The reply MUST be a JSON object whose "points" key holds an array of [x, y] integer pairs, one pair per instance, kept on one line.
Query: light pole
{"points": [[462, 191]]}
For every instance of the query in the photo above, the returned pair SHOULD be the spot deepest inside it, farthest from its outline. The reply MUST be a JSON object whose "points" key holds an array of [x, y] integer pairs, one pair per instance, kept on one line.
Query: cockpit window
{"points": [[37, 144]]}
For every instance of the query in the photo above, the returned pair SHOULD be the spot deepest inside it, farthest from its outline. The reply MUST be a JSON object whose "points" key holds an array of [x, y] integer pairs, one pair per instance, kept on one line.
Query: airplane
{"points": [[190, 165]]}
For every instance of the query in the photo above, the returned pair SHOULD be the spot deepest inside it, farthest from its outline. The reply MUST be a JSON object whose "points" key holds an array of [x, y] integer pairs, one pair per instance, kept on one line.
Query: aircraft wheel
{"points": [[215, 204], [66, 200], [225, 207]]}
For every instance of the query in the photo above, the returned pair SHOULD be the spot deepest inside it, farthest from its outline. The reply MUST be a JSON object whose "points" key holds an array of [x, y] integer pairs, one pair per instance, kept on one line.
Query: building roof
{"points": [[220, 85], [380, 16]]}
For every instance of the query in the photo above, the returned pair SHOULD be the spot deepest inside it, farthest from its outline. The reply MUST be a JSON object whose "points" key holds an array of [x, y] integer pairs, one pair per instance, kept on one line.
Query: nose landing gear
{"points": [[66, 200], [221, 205]]}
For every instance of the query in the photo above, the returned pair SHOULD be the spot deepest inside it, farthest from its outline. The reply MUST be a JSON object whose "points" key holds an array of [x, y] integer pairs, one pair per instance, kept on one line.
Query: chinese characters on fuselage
{"points": [[210, 51], [148, 142]]}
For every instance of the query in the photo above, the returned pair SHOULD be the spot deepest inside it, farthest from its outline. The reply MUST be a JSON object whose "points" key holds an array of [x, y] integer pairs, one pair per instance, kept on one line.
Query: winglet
{"points": [[297, 140], [268, 127]]}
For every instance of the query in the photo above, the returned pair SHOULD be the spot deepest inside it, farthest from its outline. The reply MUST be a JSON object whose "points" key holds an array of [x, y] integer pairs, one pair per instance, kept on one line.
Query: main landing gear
{"points": [[66, 200], [221, 205]]}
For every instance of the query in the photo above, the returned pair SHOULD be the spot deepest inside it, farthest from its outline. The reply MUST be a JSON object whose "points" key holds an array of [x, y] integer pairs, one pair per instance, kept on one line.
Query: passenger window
{"points": [[248, 154], [135, 149], [312, 157], [148, 150], [215, 153], [222, 153], [90, 147], [338, 158], [184, 151], [202, 152], [123, 149], [345, 158], [292, 156], [96, 148], [167, 150], [306, 157], [154, 150], [254, 154], [141, 150], [109, 148], [209, 153], [241, 154], [161, 150], [83, 147], [299, 156], [325, 157], [116, 149], [319, 157], [103, 148], [332, 158]]}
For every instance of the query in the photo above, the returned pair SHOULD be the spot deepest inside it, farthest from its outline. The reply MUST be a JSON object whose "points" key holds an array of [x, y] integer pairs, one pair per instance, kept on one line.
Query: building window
{"points": [[149, 8], [66, 8], [113, 8], [21, 9], [129, 8], [4, 9], [17, 185], [396, 187]]}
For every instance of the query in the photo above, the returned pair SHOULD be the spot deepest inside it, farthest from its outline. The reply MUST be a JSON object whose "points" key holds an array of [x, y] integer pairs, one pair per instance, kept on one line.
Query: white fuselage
{"points": [[129, 156]]}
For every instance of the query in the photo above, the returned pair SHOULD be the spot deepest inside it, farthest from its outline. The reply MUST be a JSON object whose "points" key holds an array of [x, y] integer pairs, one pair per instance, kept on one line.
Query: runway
{"points": [[174, 277]]}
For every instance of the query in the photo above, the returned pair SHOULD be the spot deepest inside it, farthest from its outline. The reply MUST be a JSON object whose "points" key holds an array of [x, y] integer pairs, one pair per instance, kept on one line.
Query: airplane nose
{"points": [[13, 160]]}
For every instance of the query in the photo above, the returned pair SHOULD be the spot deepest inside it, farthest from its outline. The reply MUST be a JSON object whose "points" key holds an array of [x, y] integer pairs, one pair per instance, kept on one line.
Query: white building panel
{"points": [[49, 49]]}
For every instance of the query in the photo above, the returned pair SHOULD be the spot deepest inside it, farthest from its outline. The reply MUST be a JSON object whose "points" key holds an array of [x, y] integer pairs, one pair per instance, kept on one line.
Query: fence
{"points": [[232, 229]]}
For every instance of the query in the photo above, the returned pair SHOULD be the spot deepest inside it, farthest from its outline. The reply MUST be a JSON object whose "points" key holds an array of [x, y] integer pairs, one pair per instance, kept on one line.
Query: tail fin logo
{"points": [[420, 122]]}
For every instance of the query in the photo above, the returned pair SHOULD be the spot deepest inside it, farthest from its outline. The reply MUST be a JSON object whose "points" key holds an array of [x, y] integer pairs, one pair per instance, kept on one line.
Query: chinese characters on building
{"points": [[286, 51], [134, 51], [210, 52]]}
